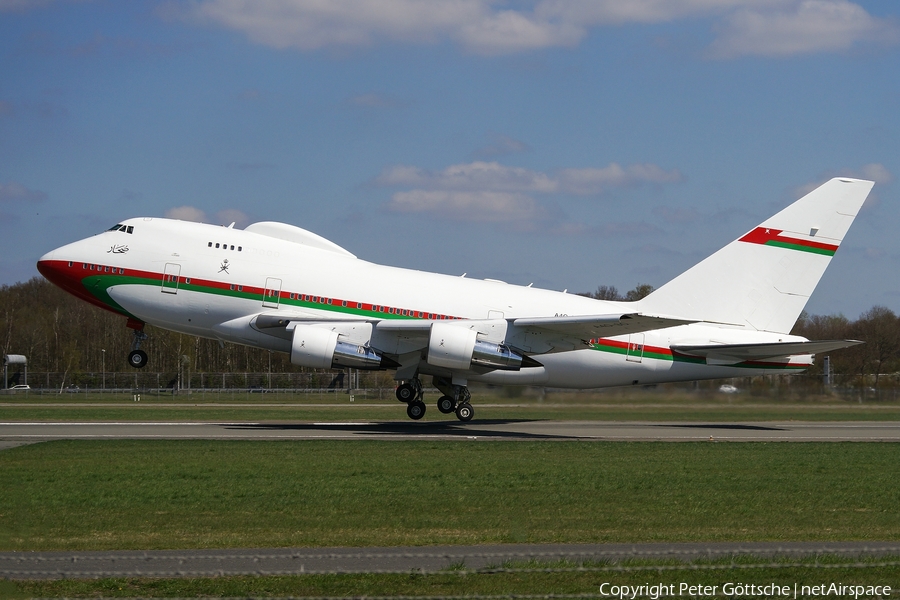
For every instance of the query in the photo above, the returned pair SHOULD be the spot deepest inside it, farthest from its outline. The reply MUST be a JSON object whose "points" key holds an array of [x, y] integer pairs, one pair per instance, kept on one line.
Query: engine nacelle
{"points": [[457, 347], [496, 356], [319, 348]]}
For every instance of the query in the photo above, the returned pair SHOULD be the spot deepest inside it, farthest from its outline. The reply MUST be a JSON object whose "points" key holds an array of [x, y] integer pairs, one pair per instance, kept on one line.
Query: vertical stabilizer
{"points": [[764, 278]]}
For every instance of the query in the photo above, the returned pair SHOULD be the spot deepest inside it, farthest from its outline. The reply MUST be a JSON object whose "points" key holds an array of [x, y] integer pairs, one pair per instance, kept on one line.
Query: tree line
{"points": [[59, 333]]}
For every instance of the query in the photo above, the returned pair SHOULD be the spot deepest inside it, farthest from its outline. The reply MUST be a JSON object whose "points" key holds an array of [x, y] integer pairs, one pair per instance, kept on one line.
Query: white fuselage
{"points": [[211, 281]]}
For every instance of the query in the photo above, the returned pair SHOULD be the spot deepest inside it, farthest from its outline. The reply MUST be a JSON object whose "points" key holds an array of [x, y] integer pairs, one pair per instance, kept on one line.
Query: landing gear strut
{"points": [[137, 358], [455, 399], [411, 392]]}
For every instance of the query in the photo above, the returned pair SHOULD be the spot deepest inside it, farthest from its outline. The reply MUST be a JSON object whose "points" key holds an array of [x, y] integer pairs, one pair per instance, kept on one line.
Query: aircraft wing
{"points": [[734, 353], [586, 327], [283, 318]]}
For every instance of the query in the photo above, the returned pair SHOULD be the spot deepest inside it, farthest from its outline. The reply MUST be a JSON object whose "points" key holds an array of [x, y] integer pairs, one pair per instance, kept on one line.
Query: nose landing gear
{"points": [[137, 358]]}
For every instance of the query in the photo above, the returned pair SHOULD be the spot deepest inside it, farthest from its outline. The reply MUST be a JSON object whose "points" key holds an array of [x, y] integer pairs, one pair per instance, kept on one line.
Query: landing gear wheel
{"points": [[137, 359], [415, 410], [446, 404], [465, 412], [406, 392]]}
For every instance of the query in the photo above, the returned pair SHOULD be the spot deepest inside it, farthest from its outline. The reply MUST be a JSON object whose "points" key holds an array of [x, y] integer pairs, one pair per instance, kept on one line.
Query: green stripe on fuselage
{"points": [[696, 360]]}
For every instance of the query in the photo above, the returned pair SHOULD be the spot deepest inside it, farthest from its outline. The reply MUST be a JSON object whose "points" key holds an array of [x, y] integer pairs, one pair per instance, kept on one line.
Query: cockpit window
{"points": [[120, 227], [115, 227]]}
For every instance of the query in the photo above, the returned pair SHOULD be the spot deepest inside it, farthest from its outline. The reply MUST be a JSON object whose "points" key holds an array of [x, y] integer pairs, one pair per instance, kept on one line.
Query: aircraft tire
{"points": [[465, 412], [406, 392], [137, 359], [446, 404], [415, 410]]}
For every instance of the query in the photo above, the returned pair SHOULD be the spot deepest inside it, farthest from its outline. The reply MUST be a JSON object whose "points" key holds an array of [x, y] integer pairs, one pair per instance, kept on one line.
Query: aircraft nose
{"points": [[47, 257], [59, 271], [46, 265]]}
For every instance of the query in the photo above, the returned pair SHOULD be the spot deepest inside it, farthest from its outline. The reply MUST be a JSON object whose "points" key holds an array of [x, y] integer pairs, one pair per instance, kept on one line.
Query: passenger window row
{"points": [[225, 246]]}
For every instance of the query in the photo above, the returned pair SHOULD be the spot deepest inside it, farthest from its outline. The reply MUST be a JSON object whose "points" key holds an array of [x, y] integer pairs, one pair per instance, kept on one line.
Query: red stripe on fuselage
{"points": [[59, 273], [71, 279]]}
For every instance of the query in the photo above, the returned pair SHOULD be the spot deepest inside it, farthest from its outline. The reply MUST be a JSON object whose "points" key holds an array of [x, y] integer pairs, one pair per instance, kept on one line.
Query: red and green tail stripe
{"points": [[767, 236]]}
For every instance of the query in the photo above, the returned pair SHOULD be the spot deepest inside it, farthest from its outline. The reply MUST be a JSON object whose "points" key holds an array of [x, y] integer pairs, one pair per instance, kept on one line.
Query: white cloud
{"points": [[489, 27], [876, 172], [617, 12], [313, 24], [510, 31], [224, 217], [14, 192], [489, 192], [493, 176], [476, 175], [473, 206], [233, 215], [808, 27], [595, 181], [502, 145], [186, 213]]}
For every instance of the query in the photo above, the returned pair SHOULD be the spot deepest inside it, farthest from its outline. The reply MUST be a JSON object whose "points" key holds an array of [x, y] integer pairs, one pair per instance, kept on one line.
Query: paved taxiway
{"points": [[13, 433], [296, 561]]}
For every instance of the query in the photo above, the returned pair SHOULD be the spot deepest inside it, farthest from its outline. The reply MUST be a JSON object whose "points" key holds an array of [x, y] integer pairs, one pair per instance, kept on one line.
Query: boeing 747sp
{"points": [[273, 286]]}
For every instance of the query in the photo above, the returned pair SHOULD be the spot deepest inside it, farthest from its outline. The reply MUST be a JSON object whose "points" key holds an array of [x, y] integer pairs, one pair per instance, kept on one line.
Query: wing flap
{"points": [[734, 353], [586, 327]]}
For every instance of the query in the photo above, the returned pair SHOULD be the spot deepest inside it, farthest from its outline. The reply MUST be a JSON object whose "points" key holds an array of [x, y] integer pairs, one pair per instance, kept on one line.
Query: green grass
{"points": [[529, 578], [81, 495]]}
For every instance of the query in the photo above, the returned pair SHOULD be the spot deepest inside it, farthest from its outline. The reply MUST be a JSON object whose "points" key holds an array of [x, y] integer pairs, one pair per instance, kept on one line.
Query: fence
{"points": [[845, 387], [175, 382]]}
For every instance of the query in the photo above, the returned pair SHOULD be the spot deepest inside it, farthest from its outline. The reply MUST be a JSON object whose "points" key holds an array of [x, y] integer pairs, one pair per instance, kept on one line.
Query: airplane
{"points": [[282, 288]]}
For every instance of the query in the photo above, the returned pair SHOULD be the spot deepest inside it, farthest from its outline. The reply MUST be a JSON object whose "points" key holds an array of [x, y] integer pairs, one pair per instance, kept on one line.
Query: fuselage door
{"points": [[170, 278], [635, 350], [272, 293]]}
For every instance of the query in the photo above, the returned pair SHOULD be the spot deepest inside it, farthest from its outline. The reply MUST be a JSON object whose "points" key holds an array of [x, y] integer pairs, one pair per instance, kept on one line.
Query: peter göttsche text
{"points": [[746, 590]]}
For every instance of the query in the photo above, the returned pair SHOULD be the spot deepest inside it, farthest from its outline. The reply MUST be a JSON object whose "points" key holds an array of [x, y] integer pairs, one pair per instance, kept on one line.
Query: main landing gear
{"points": [[137, 358], [455, 399], [411, 392]]}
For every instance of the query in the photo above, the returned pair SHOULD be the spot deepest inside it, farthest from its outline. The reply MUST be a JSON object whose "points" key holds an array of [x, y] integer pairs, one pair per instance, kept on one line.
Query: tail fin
{"points": [[764, 278]]}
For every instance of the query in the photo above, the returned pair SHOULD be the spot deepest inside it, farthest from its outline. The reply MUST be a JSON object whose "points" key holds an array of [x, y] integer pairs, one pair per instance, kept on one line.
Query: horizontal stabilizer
{"points": [[586, 327], [735, 353]]}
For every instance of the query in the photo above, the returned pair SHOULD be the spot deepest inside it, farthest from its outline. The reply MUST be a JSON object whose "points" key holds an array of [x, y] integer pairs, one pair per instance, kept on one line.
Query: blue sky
{"points": [[565, 144]]}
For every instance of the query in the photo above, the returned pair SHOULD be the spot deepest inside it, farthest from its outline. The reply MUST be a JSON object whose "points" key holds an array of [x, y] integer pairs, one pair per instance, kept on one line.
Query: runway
{"points": [[16, 433], [432, 559]]}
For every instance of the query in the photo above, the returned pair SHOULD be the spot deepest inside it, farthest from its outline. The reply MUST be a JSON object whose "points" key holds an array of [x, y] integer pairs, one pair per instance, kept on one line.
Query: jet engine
{"points": [[320, 348], [457, 347]]}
